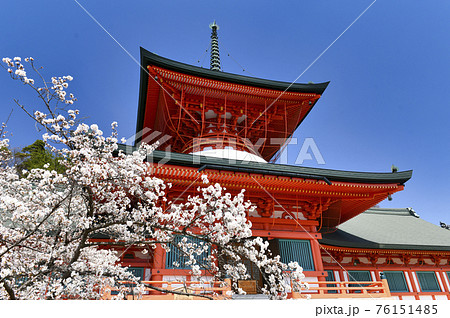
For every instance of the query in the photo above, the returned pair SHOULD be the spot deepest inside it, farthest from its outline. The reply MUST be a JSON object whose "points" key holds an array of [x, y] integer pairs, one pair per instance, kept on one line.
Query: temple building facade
{"points": [[233, 128]]}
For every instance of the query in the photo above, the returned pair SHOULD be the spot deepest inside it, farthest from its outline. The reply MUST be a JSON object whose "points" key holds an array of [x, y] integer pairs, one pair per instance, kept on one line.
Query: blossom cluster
{"points": [[57, 91], [17, 70], [59, 84]]}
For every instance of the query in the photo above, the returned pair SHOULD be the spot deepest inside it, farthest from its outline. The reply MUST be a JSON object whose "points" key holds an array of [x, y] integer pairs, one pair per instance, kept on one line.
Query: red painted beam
{"points": [[287, 235], [282, 221]]}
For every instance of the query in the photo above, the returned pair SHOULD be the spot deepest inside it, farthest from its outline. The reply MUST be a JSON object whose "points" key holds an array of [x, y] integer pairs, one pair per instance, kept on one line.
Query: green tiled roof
{"points": [[389, 229]]}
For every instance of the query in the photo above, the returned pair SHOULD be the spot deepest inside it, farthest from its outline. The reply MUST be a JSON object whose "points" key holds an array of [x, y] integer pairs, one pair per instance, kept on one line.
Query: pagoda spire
{"points": [[215, 57]]}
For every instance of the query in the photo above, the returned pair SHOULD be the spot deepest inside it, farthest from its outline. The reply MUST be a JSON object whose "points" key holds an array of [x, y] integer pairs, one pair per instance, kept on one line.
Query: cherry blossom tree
{"points": [[48, 219]]}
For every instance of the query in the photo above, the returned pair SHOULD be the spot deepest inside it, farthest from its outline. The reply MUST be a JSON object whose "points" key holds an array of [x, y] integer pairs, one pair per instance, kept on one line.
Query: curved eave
{"points": [[342, 242], [148, 58], [189, 160], [283, 170]]}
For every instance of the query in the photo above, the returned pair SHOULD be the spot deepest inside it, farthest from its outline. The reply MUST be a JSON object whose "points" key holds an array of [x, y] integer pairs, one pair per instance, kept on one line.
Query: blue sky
{"points": [[387, 102]]}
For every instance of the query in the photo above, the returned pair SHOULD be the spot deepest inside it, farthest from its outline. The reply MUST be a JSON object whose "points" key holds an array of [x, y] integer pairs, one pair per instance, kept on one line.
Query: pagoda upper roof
{"points": [[148, 58], [381, 228], [233, 84]]}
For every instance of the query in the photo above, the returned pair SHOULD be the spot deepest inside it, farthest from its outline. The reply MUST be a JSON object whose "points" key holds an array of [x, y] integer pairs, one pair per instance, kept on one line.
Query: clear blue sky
{"points": [[387, 103]]}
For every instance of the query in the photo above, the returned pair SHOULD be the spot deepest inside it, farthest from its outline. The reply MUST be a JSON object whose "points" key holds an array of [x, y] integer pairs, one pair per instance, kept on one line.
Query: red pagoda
{"points": [[232, 127]]}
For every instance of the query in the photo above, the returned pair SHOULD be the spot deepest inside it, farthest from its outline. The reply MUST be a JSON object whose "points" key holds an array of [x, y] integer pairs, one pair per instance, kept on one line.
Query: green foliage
{"points": [[36, 156]]}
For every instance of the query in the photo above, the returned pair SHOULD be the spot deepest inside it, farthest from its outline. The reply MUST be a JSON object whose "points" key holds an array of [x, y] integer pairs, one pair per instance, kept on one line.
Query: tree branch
{"points": [[176, 292], [36, 228], [9, 290]]}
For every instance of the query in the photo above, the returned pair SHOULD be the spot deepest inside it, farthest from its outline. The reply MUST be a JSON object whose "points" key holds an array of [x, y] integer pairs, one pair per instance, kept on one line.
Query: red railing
{"points": [[176, 290], [326, 289], [222, 290]]}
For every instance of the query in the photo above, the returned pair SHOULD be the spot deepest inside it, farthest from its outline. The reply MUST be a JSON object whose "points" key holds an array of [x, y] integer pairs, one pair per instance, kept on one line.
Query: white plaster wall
{"points": [[310, 281], [229, 153], [336, 276], [441, 286], [409, 298], [446, 280], [415, 281], [147, 274], [425, 297], [408, 281], [345, 277], [441, 297]]}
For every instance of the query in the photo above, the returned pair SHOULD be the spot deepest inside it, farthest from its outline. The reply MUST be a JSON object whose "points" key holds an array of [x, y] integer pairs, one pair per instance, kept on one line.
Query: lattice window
{"points": [[176, 256], [297, 251], [331, 278], [359, 276], [428, 282], [396, 280]]}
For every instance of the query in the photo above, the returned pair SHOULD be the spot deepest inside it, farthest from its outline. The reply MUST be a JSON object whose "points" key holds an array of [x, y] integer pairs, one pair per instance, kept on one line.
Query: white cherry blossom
{"points": [[50, 222]]}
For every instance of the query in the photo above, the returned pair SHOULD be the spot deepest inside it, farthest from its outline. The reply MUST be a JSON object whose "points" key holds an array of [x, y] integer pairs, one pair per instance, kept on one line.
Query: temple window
{"points": [[297, 251], [176, 259], [428, 282], [330, 278], [359, 276], [396, 281]]}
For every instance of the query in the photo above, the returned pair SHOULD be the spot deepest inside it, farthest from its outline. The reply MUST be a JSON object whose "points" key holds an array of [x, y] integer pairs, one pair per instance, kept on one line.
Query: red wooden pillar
{"points": [[158, 262], [317, 258]]}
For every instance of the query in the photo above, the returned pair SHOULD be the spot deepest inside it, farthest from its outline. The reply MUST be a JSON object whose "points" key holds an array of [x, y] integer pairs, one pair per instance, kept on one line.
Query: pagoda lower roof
{"points": [[326, 175], [344, 194]]}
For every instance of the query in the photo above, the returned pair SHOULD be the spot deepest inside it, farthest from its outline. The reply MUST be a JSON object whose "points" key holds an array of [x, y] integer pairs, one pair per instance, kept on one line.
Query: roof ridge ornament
{"points": [[215, 57], [444, 226], [412, 212]]}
